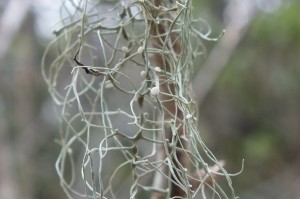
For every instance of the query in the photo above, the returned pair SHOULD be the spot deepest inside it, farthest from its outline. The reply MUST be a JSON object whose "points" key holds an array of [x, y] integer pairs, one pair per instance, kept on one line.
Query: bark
{"points": [[171, 111]]}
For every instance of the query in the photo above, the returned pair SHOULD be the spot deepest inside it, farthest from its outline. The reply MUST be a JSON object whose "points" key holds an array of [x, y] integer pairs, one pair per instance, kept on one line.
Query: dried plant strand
{"points": [[121, 78]]}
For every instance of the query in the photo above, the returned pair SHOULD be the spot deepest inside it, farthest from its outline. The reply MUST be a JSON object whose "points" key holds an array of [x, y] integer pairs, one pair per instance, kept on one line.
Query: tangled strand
{"points": [[114, 105]]}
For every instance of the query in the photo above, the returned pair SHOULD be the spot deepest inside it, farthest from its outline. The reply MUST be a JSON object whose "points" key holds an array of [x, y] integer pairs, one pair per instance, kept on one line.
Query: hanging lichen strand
{"points": [[121, 79]]}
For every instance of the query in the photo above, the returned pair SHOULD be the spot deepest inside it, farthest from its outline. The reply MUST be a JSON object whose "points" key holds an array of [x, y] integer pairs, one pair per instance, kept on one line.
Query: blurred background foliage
{"points": [[252, 112]]}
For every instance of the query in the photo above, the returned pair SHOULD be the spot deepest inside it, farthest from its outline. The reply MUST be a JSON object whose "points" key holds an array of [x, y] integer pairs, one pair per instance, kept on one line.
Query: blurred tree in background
{"points": [[251, 112]]}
